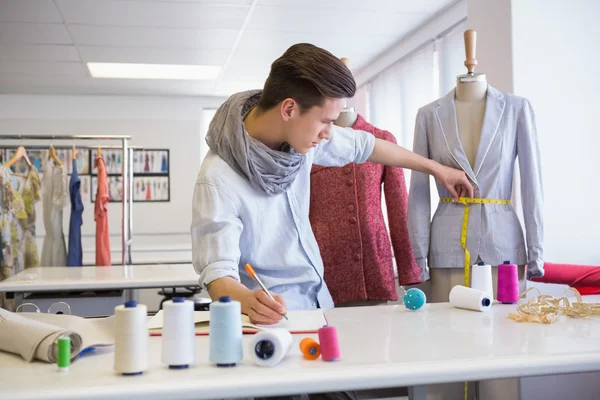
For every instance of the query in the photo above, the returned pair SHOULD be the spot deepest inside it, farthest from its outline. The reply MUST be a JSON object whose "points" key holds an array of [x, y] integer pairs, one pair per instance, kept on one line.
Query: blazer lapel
{"points": [[494, 109], [446, 116]]}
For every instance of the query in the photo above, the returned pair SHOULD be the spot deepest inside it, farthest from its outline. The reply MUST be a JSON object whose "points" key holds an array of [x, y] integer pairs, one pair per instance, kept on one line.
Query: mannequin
{"points": [[348, 115], [350, 230], [481, 130]]}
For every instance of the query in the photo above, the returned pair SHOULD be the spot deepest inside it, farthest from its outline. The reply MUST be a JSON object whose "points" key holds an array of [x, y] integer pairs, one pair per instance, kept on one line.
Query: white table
{"points": [[76, 279], [44, 279], [381, 347]]}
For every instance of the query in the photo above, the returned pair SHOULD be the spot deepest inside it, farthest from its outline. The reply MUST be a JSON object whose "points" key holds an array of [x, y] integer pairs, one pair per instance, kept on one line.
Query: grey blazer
{"points": [[494, 232]]}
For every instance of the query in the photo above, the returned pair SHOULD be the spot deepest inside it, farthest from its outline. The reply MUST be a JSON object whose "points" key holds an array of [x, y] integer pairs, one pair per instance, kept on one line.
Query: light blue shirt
{"points": [[234, 224]]}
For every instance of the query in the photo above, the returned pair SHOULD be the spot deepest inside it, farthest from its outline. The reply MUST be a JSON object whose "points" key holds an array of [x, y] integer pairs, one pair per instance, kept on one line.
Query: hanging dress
{"points": [[101, 216], [55, 197], [17, 226], [75, 254]]}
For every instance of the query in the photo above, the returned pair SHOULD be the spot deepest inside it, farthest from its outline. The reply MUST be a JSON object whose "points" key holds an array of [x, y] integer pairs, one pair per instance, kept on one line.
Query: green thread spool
{"points": [[64, 354]]}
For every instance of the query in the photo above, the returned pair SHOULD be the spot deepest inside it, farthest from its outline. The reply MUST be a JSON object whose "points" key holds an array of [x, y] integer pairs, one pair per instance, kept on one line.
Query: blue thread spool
{"points": [[414, 299], [225, 332]]}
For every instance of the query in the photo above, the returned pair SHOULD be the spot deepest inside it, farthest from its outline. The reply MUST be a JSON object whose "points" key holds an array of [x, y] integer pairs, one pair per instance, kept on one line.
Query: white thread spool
{"points": [[178, 333], [131, 338], [481, 279], [270, 346], [469, 299]]}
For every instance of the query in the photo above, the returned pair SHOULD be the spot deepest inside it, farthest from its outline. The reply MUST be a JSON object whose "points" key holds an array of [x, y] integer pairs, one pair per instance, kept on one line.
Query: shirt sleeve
{"points": [[528, 152], [216, 230], [344, 147]]}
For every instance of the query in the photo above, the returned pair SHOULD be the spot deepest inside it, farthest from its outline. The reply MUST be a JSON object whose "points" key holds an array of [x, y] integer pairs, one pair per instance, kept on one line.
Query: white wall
{"points": [[551, 58], [494, 51], [555, 59], [547, 52], [161, 230]]}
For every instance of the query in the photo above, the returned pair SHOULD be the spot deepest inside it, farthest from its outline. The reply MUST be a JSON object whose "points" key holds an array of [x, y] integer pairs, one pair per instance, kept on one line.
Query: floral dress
{"points": [[17, 224]]}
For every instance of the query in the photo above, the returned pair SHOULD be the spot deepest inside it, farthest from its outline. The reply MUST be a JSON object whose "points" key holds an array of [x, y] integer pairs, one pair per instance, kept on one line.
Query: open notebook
{"points": [[300, 321]]}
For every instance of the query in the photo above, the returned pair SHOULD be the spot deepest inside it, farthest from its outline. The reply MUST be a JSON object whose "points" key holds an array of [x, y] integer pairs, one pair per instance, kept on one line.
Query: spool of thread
{"points": [[414, 299], [311, 350], [63, 358], [225, 332], [178, 333], [469, 298], [508, 283], [131, 338], [330, 347], [481, 279], [269, 347]]}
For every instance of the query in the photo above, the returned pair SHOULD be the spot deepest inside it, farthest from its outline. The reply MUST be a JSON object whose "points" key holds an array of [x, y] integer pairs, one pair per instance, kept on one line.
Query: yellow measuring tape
{"points": [[463, 236], [465, 225]]}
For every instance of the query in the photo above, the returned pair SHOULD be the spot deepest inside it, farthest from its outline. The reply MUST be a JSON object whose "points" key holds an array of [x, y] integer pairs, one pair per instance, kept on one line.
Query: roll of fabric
{"points": [[34, 336], [33, 339], [586, 277]]}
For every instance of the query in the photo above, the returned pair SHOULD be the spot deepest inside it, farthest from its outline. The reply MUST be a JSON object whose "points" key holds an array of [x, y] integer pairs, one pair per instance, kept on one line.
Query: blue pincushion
{"points": [[414, 299]]}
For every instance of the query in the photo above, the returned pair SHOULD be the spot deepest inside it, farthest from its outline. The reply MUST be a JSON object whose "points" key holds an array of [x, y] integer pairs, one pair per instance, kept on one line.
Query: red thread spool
{"points": [[310, 348], [330, 347], [508, 283]]}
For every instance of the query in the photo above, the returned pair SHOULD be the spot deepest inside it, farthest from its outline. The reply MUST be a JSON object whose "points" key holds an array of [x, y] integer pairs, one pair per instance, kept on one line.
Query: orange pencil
{"points": [[257, 279]]}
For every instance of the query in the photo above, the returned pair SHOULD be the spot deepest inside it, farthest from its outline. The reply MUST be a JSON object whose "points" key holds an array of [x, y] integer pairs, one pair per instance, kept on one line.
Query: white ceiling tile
{"points": [[219, 2], [153, 37], [37, 54], [152, 55], [57, 83], [166, 87], [152, 14], [29, 11], [42, 68], [34, 33], [357, 47], [407, 6], [21, 52], [325, 21]]}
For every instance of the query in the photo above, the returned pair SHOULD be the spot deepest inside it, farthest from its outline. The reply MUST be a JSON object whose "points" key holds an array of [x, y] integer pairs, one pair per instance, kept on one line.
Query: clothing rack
{"points": [[127, 174]]}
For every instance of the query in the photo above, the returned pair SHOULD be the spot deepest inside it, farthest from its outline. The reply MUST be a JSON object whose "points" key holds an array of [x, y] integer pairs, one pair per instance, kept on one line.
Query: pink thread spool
{"points": [[330, 347], [508, 283]]}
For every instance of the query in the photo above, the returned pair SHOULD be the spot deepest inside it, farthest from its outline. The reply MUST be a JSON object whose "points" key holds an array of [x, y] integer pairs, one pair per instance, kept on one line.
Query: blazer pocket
{"points": [[506, 229], [445, 233]]}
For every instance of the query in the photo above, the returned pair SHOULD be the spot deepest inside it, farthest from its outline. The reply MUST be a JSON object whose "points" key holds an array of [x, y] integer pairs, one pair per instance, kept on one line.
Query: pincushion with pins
{"points": [[414, 299]]}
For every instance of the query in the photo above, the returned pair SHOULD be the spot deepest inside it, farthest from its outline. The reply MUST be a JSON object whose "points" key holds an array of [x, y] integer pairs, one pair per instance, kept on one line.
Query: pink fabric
{"points": [[101, 216], [346, 217], [577, 276]]}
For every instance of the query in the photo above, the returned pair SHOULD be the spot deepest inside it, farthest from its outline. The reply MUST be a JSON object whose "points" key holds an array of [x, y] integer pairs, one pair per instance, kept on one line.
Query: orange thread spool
{"points": [[310, 348]]}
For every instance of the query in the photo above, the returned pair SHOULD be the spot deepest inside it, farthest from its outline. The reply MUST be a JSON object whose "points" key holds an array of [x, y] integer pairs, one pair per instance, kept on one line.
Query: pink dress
{"points": [[101, 216]]}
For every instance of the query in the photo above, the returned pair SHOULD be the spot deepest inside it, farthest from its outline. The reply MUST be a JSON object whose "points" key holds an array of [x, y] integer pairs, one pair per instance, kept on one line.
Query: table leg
{"points": [[131, 294], [417, 392]]}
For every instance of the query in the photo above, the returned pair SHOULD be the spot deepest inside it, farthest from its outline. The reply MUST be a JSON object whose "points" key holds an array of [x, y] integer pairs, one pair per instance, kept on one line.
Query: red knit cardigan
{"points": [[348, 223]]}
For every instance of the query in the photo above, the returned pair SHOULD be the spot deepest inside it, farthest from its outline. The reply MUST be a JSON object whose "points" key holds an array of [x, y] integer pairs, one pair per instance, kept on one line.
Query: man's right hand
{"points": [[261, 309]]}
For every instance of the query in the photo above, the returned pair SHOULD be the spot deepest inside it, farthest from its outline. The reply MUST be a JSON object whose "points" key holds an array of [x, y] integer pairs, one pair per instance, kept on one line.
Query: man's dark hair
{"points": [[309, 75]]}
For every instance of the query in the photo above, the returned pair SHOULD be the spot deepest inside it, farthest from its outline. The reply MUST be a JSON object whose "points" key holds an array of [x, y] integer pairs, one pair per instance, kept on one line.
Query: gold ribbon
{"points": [[465, 225], [546, 309]]}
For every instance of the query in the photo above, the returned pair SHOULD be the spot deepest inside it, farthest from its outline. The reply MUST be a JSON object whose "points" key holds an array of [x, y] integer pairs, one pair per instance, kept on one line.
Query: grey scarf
{"points": [[272, 171]]}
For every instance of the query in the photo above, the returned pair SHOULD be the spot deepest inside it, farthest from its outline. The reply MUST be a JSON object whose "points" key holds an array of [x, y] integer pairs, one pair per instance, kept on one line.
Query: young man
{"points": [[252, 193]]}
